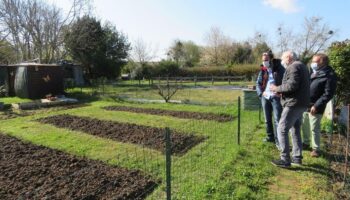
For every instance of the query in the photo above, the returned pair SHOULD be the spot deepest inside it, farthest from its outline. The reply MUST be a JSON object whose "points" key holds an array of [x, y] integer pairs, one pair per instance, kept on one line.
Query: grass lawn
{"points": [[199, 95], [218, 168], [9, 100]]}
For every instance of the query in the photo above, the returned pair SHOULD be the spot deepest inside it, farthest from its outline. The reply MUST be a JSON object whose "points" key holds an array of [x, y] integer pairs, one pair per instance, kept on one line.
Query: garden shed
{"points": [[7, 79], [73, 73], [34, 80]]}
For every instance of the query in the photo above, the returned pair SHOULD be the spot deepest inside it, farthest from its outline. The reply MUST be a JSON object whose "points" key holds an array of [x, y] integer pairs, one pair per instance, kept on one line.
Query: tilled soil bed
{"points": [[124, 132], [178, 114], [35, 172]]}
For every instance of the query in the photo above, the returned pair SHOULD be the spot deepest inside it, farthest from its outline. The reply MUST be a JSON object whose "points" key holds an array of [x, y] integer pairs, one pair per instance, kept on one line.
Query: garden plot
{"points": [[35, 172], [124, 132], [178, 114]]}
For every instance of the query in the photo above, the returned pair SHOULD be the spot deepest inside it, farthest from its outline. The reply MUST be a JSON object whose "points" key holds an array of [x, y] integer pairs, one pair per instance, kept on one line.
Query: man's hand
{"points": [[313, 110], [273, 88]]}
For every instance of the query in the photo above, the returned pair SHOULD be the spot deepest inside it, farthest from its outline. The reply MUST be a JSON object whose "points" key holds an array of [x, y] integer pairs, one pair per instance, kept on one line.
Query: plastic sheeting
{"points": [[21, 82]]}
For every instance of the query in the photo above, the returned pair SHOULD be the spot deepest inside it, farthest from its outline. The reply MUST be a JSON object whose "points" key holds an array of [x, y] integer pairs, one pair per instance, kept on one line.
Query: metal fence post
{"points": [[239, 122], [168, 163]]}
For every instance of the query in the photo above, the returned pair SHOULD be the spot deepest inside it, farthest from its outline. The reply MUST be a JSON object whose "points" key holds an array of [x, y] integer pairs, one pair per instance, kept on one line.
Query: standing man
{"points": [[271, 73], [322, 88], [295, 91]]}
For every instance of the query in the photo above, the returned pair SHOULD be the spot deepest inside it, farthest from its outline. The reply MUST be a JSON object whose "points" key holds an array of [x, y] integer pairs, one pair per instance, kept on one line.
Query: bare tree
{"points": [[214, 39], [168, 90], [142, 52], [314, 37], [285, 38], [34, 28], [258, 38]]}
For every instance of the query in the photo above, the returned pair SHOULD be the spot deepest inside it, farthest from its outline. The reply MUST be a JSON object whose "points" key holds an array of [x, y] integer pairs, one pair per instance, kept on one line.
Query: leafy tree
{"points": [[339, 56], [84, 42], [192, 53], [258, 50], [101, 50], [7, 53], [167, 68], [242, 54], [116, 52], [185, 54], [177, 52]]}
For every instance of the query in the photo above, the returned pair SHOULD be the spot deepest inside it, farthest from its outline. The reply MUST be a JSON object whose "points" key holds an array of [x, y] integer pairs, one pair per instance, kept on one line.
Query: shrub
{"points": [[339, 57]]}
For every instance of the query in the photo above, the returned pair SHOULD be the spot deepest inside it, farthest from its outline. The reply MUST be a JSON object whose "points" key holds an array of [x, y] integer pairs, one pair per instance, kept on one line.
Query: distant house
{"points": [[32, 80], [125, 76]]}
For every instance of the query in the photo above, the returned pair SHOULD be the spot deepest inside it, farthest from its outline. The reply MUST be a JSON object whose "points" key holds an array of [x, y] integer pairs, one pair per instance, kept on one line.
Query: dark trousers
{"points": [[272, 108]]}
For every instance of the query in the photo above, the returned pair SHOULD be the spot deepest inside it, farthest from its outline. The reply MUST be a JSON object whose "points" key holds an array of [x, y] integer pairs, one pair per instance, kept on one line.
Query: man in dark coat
{"points": [[271, 72], [295, 91], [322, 88]]}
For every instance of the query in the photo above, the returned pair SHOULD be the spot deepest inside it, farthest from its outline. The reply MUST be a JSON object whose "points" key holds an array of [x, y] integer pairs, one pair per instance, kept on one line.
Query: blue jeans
{"points": [[271, 106]]}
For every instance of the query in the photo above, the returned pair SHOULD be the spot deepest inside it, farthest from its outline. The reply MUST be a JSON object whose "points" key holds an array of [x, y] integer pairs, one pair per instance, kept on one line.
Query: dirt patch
{"points": [[124, 132], [9, 114], [35, 172], [178, 114]]}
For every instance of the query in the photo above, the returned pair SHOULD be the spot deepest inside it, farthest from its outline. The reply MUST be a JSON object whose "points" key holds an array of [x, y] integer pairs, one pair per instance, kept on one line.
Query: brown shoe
{"points": [[314, 153]]}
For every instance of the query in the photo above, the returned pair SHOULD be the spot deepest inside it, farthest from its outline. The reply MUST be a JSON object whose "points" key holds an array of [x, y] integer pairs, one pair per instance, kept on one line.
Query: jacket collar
{"points": [[322, 72]]}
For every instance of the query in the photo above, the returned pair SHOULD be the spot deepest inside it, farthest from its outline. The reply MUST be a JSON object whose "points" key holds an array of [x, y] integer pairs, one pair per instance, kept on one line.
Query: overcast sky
{"points": [[160, 22]]}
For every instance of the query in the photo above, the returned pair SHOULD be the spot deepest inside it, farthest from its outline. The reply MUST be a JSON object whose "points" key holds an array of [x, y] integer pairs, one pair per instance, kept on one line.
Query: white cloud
{"points": [[287, 6]]}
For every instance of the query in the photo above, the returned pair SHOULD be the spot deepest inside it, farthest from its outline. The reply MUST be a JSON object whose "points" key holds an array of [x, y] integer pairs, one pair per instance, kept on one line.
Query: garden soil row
{"points": [[35, 172], [177, 114], [124, 132]]}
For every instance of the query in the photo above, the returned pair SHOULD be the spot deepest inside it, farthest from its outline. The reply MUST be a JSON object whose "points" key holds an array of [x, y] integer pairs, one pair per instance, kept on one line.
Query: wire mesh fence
{"points": [[338, 154], [196, 172], [131, 91]]}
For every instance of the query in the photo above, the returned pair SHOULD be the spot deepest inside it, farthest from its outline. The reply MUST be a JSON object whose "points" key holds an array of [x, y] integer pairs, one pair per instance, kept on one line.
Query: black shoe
{"points": [[306, 147], [281, 163], [269, 140], [296, 162]]}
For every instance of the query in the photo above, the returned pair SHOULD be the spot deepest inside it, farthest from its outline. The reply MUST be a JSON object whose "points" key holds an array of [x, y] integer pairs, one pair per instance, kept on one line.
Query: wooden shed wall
{"points": [[43, 80]]}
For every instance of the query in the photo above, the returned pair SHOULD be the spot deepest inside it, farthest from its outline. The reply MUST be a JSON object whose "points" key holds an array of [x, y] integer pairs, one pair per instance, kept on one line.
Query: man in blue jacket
{"points": [[323, 83], [271, 72]]}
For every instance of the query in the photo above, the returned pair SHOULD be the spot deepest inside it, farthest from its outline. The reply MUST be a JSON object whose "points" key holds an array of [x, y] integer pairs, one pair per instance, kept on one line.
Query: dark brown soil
{"points": [[178, 114], [124, 132], [35, 172]]}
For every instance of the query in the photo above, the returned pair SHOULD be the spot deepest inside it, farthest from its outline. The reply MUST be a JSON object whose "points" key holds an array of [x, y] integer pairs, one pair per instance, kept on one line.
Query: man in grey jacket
{"points": [[295, 97]]}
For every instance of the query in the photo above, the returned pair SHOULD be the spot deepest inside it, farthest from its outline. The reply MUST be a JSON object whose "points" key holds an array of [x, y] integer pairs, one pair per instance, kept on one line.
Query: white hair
{"points": [[292, 54]]}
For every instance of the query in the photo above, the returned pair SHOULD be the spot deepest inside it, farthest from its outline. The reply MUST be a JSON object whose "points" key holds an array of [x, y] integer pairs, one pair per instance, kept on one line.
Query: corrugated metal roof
{"points": [[34, 64]]}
